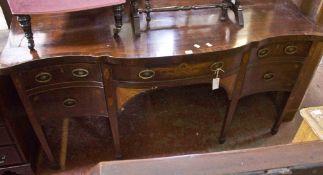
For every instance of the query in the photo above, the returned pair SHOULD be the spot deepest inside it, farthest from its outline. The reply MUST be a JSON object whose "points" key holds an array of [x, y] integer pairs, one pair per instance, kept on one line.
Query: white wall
{"points": [[3, 24]]}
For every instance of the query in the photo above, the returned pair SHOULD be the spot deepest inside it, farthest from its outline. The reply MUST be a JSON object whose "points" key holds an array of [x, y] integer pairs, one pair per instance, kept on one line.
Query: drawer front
{"points": [[4, 137], [182, 70], [282, 50], [60, 74], [271, 77], [9, 156], [70, 102]]}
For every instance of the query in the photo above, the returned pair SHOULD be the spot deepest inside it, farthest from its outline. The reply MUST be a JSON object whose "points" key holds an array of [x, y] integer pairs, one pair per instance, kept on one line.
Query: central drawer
{"points": [[60, 74], [184, 69], [70, 102], [9, 156]]}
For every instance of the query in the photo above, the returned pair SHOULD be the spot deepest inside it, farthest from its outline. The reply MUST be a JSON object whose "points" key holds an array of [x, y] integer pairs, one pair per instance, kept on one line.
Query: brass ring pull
{"points": [[146, 74], [217, 65], [291, 50], [80, 73], [2, 159], [43, 77], [70, 102], [268, 76], [263, 52]]}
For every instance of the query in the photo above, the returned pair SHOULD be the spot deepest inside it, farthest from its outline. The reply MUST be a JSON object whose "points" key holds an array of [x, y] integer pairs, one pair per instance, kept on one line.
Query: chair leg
{"points": [[25, 24], [227, 120], [135, 17], [118, 13]]}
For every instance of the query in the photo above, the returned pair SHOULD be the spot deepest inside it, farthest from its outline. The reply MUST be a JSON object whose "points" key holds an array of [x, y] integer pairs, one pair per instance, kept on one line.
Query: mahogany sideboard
{"points": [[78, 68], [18, 145]]}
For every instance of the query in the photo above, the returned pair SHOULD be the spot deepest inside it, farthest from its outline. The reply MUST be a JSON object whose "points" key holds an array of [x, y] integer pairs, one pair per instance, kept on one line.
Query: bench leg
{"points": [[118, 13], [25, 24]]}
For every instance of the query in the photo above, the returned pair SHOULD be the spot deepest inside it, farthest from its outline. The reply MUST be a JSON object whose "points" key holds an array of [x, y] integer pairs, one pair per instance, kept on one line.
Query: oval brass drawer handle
{"points": [[2, 159], [268, 76], [70, 102], [146, 74], [217, 65], [43, 77], [80, 73], [263, 52], [291, 50]]}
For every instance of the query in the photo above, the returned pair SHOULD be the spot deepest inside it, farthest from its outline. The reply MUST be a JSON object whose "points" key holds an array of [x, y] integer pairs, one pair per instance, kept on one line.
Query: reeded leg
{"points": [[25, 24], [135, 17], [118, 13], [148, 7]]}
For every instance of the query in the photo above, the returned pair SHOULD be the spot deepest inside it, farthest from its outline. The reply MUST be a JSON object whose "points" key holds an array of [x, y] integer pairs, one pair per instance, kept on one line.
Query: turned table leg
{"points": [[25, 24], [224, 11], [148, 7], [135, 17], [118, 13]]}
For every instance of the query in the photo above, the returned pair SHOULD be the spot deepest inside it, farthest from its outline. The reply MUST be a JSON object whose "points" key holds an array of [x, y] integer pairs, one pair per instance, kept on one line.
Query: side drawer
{"points": [[279, 76], [291, 50], [9, 156], [70, 102], [59, 74], [4, 136], [203, 67]]}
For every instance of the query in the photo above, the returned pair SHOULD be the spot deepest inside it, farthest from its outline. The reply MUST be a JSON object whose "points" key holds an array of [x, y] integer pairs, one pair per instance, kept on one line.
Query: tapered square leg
{"points": [[25, 24]]}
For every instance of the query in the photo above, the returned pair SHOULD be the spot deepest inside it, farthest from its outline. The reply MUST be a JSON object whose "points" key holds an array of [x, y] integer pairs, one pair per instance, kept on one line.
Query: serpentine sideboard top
{"points": [[169, 34]]}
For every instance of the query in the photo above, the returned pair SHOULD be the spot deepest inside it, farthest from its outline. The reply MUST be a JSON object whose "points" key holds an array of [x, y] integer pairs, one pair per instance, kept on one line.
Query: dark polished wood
{"points": [[18, 147], [298, 159], [73, 66]]}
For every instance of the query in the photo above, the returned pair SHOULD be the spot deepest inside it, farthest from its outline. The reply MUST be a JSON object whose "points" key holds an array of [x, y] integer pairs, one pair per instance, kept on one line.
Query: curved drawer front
{"points": [[60, 74], [279, 76], [282, 50], [70, 102], [9, 156], [182, 70]]}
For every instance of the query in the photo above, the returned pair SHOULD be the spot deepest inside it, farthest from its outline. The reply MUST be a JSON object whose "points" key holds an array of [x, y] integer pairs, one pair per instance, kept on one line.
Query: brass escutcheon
{"points": [[268, 76], [80, 73], [263, 52], [291, 50], [70, 102], [43, 77], [217, 65], [146, 74]]}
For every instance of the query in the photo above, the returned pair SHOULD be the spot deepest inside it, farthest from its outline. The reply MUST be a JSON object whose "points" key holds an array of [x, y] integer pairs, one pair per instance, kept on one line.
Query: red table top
{"points": [[29, 7]]}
